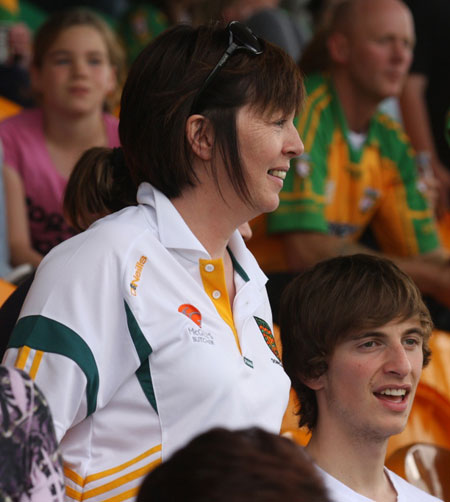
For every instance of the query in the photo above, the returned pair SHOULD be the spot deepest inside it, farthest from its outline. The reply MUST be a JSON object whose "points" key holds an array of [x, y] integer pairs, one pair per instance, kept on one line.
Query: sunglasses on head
{"points": [[241, 39]]}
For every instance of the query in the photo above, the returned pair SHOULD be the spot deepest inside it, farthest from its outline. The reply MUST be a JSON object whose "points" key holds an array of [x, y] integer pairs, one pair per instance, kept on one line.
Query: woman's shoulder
{"points": [[112, 235]]}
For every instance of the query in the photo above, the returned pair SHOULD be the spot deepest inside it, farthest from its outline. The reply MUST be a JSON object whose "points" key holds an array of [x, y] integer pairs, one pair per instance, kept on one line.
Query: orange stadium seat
{"points": [[6, 288], [444, 230], [424, 465], [8, 108]]}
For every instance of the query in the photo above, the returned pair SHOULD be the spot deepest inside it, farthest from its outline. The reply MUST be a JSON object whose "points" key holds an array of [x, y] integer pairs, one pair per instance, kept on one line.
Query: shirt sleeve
{"points": [[404, 224], [73, 332]]}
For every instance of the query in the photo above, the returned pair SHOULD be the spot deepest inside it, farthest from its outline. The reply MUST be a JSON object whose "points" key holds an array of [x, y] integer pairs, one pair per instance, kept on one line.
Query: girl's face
{"points": [[76, 75]]}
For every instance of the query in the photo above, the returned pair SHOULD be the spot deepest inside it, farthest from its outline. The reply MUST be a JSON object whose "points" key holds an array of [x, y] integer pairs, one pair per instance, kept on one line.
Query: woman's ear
{"points": [[199, 133]]}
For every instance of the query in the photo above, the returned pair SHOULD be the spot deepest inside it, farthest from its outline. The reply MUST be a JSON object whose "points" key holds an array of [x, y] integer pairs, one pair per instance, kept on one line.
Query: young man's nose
{"points": [[397, 361]]}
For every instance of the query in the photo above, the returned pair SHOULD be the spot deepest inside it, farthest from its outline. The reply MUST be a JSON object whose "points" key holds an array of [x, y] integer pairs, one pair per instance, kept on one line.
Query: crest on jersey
{"points": [[303, 165], [268, 336]]}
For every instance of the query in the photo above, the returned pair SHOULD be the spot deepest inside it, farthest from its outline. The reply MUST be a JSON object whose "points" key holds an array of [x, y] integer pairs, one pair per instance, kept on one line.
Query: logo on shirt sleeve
{"points": [[268, 336], [137, 274]]}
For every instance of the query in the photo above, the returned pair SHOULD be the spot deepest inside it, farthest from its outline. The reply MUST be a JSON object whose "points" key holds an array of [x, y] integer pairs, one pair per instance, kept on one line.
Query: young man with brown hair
{"points": [[355, 338]]}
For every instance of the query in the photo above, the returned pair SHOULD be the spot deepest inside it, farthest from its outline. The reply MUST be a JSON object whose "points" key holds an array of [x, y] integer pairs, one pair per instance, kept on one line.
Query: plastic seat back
{"points": [[424, 465]]}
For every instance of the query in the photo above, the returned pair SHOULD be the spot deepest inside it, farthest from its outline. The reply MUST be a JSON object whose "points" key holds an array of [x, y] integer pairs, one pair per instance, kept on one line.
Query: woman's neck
{"points": [[207, 219]]}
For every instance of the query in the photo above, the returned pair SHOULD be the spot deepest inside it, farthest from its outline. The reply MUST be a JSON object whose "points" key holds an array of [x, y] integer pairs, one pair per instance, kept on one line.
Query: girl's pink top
{"points": [[25, 151]]}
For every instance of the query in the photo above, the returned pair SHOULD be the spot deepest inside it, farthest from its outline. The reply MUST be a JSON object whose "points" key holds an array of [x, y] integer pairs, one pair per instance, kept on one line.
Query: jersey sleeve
{"points": [[70, 391], [72, 336], [403, 224]]}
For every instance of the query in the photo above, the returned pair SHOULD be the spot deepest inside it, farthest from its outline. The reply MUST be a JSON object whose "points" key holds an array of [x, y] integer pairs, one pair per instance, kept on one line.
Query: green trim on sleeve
{"points": [[143, 350], [145, 380], [48, 335]]}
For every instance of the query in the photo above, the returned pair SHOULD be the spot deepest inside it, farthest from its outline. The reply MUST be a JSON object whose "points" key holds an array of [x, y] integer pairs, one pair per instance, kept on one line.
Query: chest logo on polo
{"points": [[268, 336], [139, 266], [192, 313]]}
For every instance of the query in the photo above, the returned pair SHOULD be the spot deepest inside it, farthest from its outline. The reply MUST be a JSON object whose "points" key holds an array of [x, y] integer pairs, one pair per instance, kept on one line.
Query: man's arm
{"points": [[417, 124]]}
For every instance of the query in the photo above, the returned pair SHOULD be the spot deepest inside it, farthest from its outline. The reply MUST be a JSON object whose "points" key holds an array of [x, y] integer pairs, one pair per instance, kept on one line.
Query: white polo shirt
{"points": [[128, 331]]}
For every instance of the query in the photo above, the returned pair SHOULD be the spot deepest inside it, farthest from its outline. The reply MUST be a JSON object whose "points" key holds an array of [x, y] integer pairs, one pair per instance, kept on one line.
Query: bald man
{"points": [[358, 172]]}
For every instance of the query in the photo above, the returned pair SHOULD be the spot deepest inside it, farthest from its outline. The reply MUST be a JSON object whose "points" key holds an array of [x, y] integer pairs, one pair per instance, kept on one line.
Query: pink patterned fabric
{"points": [[30, 465]]}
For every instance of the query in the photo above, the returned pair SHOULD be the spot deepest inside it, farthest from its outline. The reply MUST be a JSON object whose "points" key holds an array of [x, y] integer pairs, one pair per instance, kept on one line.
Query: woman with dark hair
{"points": [[153, 325]]}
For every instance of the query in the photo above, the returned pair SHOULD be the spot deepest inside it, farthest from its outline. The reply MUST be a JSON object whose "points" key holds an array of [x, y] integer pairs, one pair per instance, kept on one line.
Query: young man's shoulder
{"points": [[408, 492]]}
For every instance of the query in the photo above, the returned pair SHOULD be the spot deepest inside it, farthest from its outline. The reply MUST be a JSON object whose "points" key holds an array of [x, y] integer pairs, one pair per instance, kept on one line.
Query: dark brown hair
{"points": [[160, 89], [159, 93], [99, 190], [236, 466], [50, 30], [321, 306]]}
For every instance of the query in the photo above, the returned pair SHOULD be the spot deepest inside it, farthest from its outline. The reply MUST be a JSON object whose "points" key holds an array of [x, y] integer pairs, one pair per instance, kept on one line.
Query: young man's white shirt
{"points": [[406, 492]]}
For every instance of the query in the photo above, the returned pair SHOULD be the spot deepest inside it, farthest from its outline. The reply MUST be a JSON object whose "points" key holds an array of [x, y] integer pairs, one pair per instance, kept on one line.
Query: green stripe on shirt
{"points": [[48, 335]]}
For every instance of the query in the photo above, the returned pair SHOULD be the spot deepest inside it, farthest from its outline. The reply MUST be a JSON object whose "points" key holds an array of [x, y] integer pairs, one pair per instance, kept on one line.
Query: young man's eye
{"points": [[95, 61], [280, 122], [368, 345], [412, 342]]}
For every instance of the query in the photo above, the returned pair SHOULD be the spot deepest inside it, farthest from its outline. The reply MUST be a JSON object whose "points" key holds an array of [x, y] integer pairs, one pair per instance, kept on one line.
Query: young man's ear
{"points": [[199, 133], [338, 47], [314, 383]]}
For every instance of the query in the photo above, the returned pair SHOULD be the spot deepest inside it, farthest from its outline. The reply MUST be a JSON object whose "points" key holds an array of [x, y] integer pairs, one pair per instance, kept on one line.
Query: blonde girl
{"points": [[75, 72]]}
